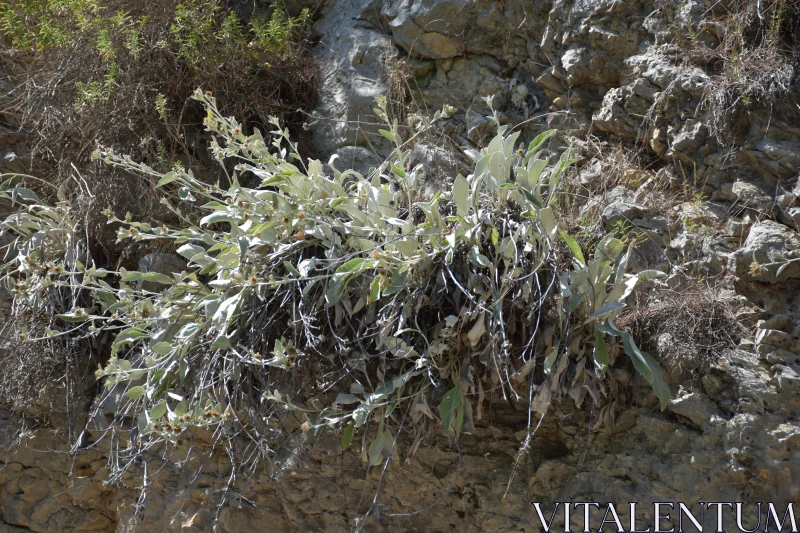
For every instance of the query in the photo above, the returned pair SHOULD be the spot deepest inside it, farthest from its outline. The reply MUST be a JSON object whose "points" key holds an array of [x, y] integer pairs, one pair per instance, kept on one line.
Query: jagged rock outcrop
{"points": [[600, 67]]}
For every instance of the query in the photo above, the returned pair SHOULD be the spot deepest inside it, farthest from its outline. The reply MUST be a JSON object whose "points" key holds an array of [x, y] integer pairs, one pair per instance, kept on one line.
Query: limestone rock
{"points": [[751, 195], [161, 263], [353, 54], [591, 176], [780, 158], [793, 214], [441, 160], [621, 206], [695, 407], [358, 158], [479, 128], [427, 28], [765, 238]]}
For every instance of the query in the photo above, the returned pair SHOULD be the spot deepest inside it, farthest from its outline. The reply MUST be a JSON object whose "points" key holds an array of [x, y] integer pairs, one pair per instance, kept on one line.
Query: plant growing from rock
{"points": [[330, 298], [776, 259]]}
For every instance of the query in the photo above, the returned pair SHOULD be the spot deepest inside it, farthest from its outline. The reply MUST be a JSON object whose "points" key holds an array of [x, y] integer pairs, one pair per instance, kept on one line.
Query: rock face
{"points": [[602, 67], [353, 53], [599, 67], [730, 435]]}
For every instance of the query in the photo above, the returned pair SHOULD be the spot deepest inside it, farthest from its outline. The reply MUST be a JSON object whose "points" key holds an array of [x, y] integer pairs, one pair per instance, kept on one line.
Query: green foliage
{"points": [[202, 33], [346, 298], [625, 232], [279, 30], [83, 73], [205, 34], [44, 24]]}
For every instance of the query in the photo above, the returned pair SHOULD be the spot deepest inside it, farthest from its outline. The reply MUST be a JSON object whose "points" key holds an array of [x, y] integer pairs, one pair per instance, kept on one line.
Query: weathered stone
{"points": [[750, 195], [689, 139], [738, 228], [10, 162], [779, 157], [166, 264], [785, 200], [620, 207], [780, 322], [695, 407], [358, 158], [428, 29], [794, 215], [479, 128], [764, 239], [33, 489], [773, 337], [781, 356], [353, 54], [441, 160], [696, 213], [591, 176]]}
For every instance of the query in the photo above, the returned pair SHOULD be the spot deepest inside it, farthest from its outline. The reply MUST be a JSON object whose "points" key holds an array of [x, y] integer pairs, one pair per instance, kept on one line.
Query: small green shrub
{"points": [[89, 72], [197, 21], [197, 27], [202, 35], [342, 299]]}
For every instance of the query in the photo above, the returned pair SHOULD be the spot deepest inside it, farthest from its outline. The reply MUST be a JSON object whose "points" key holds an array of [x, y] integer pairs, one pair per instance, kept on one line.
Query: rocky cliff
{"points": [[610, 74]]}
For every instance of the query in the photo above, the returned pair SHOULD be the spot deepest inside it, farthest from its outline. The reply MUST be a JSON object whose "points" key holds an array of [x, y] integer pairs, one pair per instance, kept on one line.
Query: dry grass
{"points": [[752, 50], [397, 77], [688, 328], [44, 379], [619, 165]]}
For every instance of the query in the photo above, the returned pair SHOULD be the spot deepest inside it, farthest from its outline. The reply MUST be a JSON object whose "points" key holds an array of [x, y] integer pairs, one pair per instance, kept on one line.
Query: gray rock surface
{"points": [[10, 162], [166, 264], [605, 67], [730, 436], [353, 53], [764, 239]]}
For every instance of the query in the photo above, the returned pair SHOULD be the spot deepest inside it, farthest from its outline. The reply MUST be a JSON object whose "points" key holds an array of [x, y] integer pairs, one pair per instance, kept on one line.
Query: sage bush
{"points": [[327, 298]]}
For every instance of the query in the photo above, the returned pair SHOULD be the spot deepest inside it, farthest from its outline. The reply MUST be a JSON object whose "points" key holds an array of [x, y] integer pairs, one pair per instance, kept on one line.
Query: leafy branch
{"points": [[321, 299]]}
